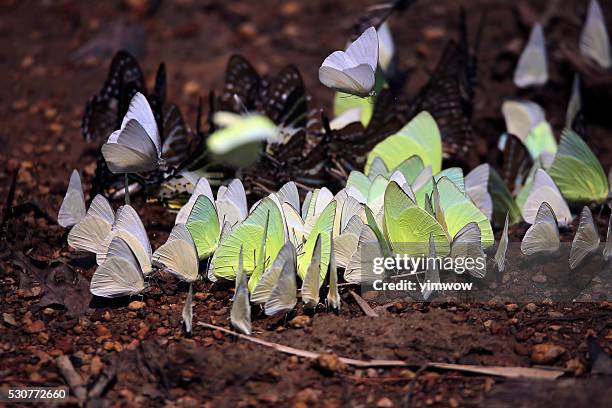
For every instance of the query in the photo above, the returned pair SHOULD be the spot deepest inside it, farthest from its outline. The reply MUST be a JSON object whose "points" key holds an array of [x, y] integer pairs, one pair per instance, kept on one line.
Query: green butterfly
{"points": [[322, 228], [420, 136], [264, 223], [577, 172]]}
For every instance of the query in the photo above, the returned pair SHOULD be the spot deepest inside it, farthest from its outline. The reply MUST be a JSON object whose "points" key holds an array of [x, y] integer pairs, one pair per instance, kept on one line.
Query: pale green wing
{"points": [[359, 181], [420, 136], [541, 140], [408, 227], [311, 282], [249, 236], [377, 168], [577, 172], [270, 278], [410, 168], [333, 296], [203, 224], [503, 203], [179, 255], [459, 211], [344, 102], [322, 227]]}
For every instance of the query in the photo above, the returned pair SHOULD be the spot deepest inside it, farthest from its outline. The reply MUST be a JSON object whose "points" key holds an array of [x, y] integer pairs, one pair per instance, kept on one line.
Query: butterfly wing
{"points": [[242, 85], [120, 274], [130, 150], [586, 240], [101, 112], [72, 209], [178, 255], [532, 68]]}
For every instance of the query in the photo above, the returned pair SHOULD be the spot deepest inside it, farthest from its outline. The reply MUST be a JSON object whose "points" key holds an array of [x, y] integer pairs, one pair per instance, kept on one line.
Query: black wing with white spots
{"points": [[102, 110]]}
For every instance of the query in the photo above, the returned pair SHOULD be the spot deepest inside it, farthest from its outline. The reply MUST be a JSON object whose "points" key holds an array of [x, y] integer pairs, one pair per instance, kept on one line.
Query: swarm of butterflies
{"points": [[395, 195]]}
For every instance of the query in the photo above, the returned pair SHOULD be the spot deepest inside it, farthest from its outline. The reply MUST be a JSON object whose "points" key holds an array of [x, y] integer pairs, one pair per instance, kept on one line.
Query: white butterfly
{"points": [[574, 106], [353, 71], [179, 255], [333, 296], [386, 47], [91, 233], [187, 313], [500, 254], [129, 227], [360, 268], [594, 41], [232, 203], [545, 190], [311, 283], [467, 245], [136, 146], [240, 314], [432, 275], [202, 188], [120, 274], [270, 277], [521, 117], [532, 68], [586, 239], [72, 209], [543, 235], [477, 188]]}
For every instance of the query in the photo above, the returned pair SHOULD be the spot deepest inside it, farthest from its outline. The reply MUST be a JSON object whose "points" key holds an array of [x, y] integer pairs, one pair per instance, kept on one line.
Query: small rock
{"points": [[300, 321], [576, 366], [434, 33], [19, 105], [384, 402], [96, 365], [9, 319], [107, 317], [142, 331], [136, 305], [511, 307], [35, 327], [329, 363], [546, 353], [531, 307], [102, 331], [162, 331], [539, 278], [458, 318]]}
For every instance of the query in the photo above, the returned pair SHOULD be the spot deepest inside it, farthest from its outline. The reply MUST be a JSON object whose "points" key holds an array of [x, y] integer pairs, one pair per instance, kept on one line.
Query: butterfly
{"points": [[594, 40], [128, 226], [477, 188], [72, 209], [353, 71], [502, 248], [240, 313], [311, 280], [545, 190], [187, 313], [447, 96], [532, 67], [120, 274], [102, 114], [577, 171], [607, 252], [514, 162], [178, 255], [586, 240], [543, 235], [136, 146]]}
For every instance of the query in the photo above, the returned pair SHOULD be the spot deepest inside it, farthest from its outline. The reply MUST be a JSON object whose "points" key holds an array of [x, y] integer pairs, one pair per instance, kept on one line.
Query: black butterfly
{"points": [[281, 98], [448, 96], [102, 113], [241, 88], [378, 14], [514, 163]]}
